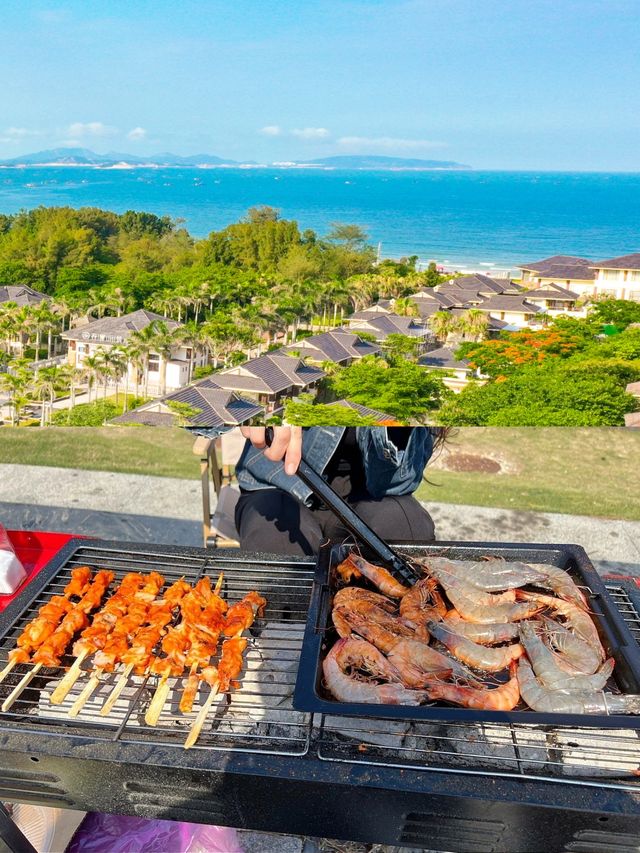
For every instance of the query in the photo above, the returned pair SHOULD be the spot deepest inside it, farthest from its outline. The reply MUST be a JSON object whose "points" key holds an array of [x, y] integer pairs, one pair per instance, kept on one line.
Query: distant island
{"points": [[117, 160]]}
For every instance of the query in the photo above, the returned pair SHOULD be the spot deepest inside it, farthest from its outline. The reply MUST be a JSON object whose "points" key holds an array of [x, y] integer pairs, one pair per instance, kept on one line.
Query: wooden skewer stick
{"points": [[5, 672], [157, 703], [196, 728], [88, 689], [70, 678], [117, 690], [17, 690]]}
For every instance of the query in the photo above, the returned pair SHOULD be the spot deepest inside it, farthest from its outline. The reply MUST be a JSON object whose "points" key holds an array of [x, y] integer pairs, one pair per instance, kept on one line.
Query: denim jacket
{"points": [[388, 470]]}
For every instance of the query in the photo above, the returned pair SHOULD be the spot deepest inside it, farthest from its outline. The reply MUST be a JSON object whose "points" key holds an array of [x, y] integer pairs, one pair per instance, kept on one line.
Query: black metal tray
{"points": [[311, 695]]}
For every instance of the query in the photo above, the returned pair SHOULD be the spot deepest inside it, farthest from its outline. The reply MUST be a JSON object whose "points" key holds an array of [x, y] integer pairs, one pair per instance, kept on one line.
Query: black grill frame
{"points": [[436, 808]]}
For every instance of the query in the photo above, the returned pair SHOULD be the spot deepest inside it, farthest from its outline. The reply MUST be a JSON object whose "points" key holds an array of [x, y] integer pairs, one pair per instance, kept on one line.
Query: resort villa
{"points": [[110, 332], [341, 346], [618, 277], [21, 295]]}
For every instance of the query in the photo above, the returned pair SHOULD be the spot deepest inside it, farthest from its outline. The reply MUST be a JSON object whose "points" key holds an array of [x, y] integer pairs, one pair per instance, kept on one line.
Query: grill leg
{"points": [[11, 838]]}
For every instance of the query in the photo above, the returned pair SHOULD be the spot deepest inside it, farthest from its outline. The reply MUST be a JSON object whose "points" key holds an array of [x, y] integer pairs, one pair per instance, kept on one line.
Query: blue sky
{"points": [[514, 84]]}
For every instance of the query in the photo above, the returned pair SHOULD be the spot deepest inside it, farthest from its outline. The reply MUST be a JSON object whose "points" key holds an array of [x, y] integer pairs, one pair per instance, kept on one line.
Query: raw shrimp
{"points": [[577, 620], [348, 654], [560, 582], [473, 654], [550, 674], [423, 602], [483, 607], [349, 595], [502, 698], [573, 655], [363, 610], [490, 575], [355, 566], [541, 698], [486, 635]]}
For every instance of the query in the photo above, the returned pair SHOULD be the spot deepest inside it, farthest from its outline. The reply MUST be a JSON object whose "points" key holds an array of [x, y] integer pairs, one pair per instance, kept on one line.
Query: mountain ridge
{"points": [[115, 159]]}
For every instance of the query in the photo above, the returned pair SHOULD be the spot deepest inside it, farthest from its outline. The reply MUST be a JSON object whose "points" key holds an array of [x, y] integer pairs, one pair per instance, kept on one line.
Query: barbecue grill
{"points": [[261, 764]]}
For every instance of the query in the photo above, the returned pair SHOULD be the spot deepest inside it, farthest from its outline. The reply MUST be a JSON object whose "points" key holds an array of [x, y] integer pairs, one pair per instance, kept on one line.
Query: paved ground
{"points": [[140, 508]]}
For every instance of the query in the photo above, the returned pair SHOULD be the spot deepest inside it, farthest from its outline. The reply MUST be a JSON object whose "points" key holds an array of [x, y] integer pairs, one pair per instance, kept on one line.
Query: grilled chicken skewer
{"points": [[177, 643], [240, 616], [49, 617], [95, 636], [139, 654], [51, 651], [117, 644]]}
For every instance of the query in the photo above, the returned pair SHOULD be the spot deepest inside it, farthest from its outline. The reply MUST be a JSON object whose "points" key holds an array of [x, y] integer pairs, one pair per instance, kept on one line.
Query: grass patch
{"points": [[128, 450], [590, 471]]}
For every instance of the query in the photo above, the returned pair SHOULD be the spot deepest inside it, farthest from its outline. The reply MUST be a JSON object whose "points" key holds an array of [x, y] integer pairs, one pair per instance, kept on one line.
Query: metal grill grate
{"points": [[258, 717]]}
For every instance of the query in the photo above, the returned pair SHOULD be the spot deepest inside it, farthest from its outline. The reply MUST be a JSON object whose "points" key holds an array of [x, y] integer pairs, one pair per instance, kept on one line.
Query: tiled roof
{"points": [[366, 313], [117, 329], [366, 412], [21, 294], [270, 373], [495, 325], [553, 291], [443, 358], [354, 344], [562, 267], [624, 262], [337, 345], [217, 407], [505, 302], [393, 324]]}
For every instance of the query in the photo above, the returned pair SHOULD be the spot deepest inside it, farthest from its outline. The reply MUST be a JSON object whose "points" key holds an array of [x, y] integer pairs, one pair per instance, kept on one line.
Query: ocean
{"points": [[462, 220]]}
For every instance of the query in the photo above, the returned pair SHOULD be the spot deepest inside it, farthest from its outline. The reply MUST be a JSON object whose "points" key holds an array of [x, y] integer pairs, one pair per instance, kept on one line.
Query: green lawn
{"points": [[132, 450], [585, 471], [590, 471]]}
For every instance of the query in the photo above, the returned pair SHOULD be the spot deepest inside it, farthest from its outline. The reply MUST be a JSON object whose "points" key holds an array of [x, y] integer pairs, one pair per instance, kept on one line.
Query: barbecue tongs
{"points": [[398, 565]]}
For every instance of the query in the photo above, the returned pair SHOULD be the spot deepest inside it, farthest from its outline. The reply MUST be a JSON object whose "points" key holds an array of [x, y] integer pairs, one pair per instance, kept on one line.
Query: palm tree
{"points": [[190, 336], [119, 365], [406, 307], [474, 323], [45, 386], [163, 344], [16, 383], [135, 359], [91, 365], [442, 324], [143, 341], [71, 376]]}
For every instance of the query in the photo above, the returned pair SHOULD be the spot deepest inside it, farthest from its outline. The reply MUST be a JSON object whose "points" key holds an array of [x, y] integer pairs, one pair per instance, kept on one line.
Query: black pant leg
{"points": [[392, 518], [274, 522]]}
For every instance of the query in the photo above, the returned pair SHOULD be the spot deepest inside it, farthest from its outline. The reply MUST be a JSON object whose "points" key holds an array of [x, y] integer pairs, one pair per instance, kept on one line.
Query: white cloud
{"points": [[17, 134], [271, 130], [388, 143], [311, 133], [137, 134], [91, 128]]}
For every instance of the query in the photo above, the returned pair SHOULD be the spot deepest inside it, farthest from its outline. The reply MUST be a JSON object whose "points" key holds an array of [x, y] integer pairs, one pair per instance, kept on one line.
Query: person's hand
{"points": [[286, 444]]}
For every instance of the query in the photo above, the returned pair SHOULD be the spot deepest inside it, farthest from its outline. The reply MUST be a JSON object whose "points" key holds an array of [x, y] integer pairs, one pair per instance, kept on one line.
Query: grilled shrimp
{"points": [[560, 582], [490, 575], [351, 655], [355, 566], [550, 674], [423, 602], [483, 607], [545, 699], [502, 698], [577, 620], [350, 596], [414, 659], [473, 654], [486, 635], [573, 655]]}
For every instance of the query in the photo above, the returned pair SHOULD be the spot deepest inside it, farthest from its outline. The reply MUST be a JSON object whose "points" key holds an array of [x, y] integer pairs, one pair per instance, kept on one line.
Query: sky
{"points": [[497, 84]]}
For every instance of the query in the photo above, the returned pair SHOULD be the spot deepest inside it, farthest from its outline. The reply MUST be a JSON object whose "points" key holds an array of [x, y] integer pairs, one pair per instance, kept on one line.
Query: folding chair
{"points": [[218, 457]]}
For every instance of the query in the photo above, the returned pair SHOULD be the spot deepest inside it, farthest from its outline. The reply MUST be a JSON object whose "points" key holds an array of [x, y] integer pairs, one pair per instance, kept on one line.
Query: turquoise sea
{"points": [[461, 219]]}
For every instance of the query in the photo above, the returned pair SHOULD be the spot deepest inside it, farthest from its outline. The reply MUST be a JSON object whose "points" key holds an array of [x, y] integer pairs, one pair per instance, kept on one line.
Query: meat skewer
{"points": [[139, 654], [117, 644], [178, 641], [51, 651], [239, 617], [48, 618], [95, 636]]}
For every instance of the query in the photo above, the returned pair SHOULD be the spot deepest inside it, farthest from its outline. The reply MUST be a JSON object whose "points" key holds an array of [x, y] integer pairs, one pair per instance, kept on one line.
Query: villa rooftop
{"points": [[624, 262], [552, 291], [269, 374], [338, 345], [444, 359], [21, 294], [508, 302], [561, 266], [117, 330]]}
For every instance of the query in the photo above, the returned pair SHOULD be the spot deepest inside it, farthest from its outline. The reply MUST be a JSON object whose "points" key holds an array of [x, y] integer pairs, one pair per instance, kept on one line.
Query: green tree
{"points": [[306, 414]]}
